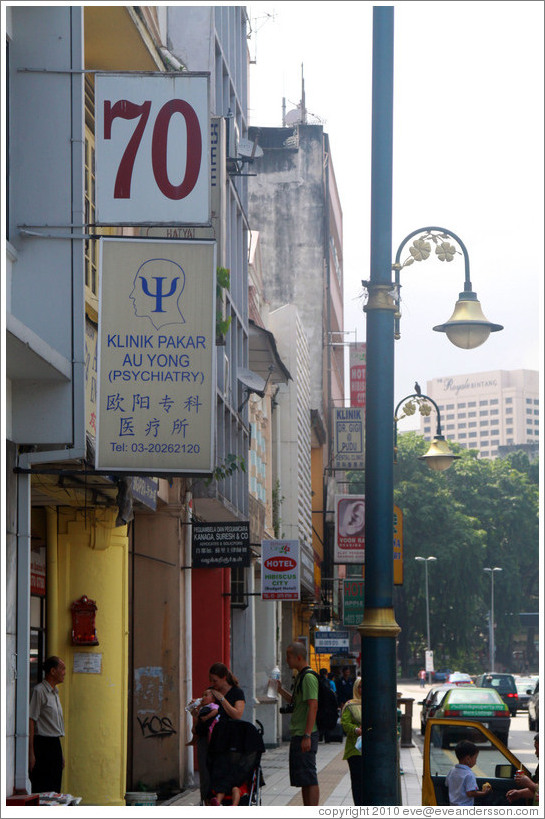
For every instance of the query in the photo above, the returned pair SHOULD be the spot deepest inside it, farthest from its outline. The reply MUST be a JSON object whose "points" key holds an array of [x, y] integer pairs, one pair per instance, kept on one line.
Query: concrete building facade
{"points": [[487, 410]]}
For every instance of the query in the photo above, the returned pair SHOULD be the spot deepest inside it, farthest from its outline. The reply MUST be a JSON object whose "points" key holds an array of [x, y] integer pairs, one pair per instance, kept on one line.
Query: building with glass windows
{"points": [[486, 411]]}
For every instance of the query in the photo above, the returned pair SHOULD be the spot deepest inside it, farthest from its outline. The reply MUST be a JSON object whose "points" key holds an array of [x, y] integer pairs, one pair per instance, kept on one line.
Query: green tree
{"points": [[476, 514]]}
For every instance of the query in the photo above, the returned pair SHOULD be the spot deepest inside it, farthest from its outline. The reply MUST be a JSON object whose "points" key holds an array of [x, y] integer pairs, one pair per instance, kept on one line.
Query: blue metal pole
{"points": [[379, 629]]}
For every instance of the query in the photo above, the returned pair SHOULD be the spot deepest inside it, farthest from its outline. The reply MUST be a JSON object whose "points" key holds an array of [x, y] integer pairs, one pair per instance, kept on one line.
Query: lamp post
{"points": [[426, 561], [438, 457], [379, 628], [491, 640]]}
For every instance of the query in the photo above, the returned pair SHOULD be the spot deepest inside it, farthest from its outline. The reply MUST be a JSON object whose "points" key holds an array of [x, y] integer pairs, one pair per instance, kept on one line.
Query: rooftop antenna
{"points": [[283, 112], [303, 105]]}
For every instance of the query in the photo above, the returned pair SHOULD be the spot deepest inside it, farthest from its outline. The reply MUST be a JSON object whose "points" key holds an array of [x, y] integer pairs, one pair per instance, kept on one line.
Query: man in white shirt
{"points": [[46, 727]]}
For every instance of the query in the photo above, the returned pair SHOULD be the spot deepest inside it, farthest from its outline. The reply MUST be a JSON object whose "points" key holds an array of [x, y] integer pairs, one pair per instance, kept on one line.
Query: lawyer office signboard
{"points": [[152, 138], [156, 357]]}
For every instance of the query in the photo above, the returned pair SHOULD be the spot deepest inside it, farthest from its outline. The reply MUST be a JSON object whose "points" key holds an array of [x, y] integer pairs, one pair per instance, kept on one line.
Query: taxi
{"points": [[480, 704], [496, 764]]}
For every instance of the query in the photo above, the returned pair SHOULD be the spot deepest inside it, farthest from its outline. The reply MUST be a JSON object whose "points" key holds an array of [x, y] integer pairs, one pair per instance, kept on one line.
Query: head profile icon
{"points": [[157, 291]]}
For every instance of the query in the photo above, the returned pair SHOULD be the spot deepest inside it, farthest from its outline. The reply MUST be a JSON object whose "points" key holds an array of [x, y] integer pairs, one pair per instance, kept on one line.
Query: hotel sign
{"points": [[156, 357]]}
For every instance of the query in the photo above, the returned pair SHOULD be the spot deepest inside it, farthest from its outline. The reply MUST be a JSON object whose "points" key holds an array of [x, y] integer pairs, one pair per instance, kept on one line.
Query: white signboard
{"points": [[349, 529], [152, 142], [429, 660], [280, 566], [156, 356], [349, 437], [331, 642], [87, 662]]}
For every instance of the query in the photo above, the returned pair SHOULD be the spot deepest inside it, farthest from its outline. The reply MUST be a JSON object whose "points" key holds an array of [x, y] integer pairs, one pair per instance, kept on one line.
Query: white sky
{"points": [[468, 156]]}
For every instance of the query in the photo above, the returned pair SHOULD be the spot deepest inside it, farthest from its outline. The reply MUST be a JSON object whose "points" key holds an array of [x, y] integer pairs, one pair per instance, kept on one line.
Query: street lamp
{"points": [[491, 625], [438, 457], [426, 560], [379, 629]]}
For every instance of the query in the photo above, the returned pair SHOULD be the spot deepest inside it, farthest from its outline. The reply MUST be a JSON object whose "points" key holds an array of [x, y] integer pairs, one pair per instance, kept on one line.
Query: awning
{"points": [[263, 356]]}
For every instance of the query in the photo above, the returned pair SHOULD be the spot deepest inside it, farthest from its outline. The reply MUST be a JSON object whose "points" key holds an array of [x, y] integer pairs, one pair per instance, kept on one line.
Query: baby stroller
{"points": [[234, 759]]}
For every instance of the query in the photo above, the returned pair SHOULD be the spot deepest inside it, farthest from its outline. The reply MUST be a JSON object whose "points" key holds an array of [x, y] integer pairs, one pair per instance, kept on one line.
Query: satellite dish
{"points": [[248, 149], [251, 380]]}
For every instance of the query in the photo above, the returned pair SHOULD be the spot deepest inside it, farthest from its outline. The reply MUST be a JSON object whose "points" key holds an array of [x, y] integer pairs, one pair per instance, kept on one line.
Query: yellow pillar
{"points": [[93, 560]]}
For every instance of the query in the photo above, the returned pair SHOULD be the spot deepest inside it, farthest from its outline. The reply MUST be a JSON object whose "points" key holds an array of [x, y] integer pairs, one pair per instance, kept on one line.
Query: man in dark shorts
{"points": [[304, 733]]}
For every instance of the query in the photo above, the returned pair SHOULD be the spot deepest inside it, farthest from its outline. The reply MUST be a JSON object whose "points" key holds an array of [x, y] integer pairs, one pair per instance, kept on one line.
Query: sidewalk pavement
{"points": [[333, 776]]}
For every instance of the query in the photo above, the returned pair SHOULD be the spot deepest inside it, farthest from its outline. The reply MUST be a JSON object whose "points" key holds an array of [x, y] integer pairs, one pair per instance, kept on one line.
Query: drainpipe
{"points": [[22, 782], [52, 599], [188, 636]]}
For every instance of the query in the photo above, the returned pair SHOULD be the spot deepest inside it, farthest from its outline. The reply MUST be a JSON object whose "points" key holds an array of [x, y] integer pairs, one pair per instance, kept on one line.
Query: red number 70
{"points": [[124, 109]]}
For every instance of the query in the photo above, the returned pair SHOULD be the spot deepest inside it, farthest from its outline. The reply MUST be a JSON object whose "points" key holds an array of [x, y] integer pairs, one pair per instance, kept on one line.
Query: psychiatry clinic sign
{"points": [[152, 142], [156, 356]]}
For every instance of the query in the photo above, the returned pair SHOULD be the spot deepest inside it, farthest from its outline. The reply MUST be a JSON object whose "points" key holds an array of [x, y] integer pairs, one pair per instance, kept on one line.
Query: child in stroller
{"points": [[234, 757]]}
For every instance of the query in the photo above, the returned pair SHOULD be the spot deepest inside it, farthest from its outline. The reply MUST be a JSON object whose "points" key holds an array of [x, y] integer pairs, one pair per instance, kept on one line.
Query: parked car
{"points": [[524, 686], [430, 703], [441, 675], [533, 709], [505, 685], [481, 704], [458, 678], [496, 763]]}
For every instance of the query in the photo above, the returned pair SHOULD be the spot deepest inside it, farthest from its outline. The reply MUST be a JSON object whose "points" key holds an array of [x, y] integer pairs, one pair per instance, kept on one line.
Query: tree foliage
{"points": [[479, 513]]}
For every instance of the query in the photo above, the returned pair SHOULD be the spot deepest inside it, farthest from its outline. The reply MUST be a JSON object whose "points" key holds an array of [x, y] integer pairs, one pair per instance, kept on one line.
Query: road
{"points": [[521, 740]]}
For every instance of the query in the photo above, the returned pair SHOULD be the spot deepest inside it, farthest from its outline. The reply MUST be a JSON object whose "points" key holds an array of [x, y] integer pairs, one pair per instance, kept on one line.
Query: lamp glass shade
{"points": [[439, 457], [468, 327]]}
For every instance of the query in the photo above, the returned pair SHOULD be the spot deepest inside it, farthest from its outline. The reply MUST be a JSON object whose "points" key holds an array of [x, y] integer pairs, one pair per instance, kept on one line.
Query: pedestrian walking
{"points": [[45, 728], [231, 701], [422, 677], [351, 723], [303, 729], [345, 686]]}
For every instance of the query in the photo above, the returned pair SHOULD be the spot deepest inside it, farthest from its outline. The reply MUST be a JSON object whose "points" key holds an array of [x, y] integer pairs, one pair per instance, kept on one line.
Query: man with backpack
{"points": [[304, 733]]}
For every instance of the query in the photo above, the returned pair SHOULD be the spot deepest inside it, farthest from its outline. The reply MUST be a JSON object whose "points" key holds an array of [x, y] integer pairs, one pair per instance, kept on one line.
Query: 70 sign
{"points": [[152, 149]]}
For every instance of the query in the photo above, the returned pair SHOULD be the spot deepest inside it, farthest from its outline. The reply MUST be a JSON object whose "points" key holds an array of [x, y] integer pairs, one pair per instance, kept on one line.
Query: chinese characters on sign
{"points": [[152, 136], [156, 376], [220, 545], [280, 570]]}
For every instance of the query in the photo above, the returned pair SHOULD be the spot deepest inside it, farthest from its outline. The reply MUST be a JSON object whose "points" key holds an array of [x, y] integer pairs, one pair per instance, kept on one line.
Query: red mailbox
{"points": [[84, 632]]}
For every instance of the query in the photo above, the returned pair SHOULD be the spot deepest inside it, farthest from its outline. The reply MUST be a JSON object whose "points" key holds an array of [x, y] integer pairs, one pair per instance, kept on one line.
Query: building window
{"points": [[450, 417], [472, 434], [484, 454], [529, 431], [472, 414], [536, 400], [509, 411], [536, 422], [528, 400], [450, 406], [508, 400], [484, 422], [461, 415], [239, 599], [462, 426], [509, 431], [472, 403], [484, 443], [494, 401], [463, 435], [483, 412], [510, 441], [494, 412], [536, 412], [450, 426], [462, 406], [472, 424], [483, 403], [494, 432]]}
